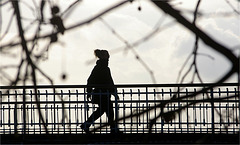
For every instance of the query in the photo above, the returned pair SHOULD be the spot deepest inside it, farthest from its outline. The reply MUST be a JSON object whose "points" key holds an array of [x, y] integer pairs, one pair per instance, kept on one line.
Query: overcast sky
{"points": [[164, 53]]}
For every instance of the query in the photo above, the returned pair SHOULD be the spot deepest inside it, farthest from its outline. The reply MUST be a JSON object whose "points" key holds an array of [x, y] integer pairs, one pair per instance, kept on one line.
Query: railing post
{"points": [[212, 107]]}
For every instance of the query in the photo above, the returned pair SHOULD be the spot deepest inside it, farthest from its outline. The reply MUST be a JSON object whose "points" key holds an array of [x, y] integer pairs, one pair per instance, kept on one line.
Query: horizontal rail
{"points": [[121, 85]]}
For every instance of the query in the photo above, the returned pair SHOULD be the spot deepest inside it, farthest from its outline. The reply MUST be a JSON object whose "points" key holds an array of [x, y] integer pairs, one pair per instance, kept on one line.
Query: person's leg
{"points": [[94, 116], [110, 114]]}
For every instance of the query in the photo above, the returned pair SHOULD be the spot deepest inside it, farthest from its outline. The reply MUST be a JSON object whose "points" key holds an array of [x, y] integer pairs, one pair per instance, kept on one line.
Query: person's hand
{"points": [[89, 97], [116, 96]]}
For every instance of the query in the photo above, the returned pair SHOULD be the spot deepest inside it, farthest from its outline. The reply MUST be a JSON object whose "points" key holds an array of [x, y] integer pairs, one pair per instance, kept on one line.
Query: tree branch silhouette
{"points": [[29, 60], [77, 25]]}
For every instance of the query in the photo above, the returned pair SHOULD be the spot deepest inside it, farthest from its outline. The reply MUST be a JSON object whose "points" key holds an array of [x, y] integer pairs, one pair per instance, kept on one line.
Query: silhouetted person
{"points": [[101, 75]]}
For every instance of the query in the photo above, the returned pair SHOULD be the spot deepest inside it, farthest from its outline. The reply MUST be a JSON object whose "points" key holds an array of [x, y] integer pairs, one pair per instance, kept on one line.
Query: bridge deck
{"points": [[121, 139]]}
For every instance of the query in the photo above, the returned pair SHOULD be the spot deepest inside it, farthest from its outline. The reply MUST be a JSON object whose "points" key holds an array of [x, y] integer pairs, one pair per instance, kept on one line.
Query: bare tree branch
{"points": [[24, 46], [77, 25], [206, 39]]}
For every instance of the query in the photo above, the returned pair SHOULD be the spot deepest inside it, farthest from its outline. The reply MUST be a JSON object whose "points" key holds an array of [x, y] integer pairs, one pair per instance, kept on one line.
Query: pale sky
{"points": [[164, 53]]}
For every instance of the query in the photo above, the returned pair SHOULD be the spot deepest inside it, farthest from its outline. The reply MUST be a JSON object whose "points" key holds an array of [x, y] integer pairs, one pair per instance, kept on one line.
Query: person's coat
{"points": [[100, 75]]}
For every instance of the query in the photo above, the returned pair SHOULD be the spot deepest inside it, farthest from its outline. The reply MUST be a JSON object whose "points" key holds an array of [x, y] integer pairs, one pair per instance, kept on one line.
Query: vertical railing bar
{"points": [[116, 108], [24, 111], [57, 121], [200, 125], [179, 113], [94, 122], [170, 93], [138, 110], [227, 110], [52, 118], [39, 119], [155, 109], [1, 109], [31, 95], [228, 107], [174, 121], [46, 108], [212, 109], [207, 116], [124, 121], [131, 123], [22, 119], [63, 113], [46, 115], [117, 123], [9, 108], [75, 117], [69, 111], [147, 104], [143, 116], [226, 115], [236, 96], [124, 109], [168, 122], [77, 120], [187, 112], [84, 106], [77, 108], [195, 111], [131, 110], [162, 121], [233, 118], [149, 116], [3, 120], [34, 123], [54, 108], [27, 119], [220, 112], [82, 113]]}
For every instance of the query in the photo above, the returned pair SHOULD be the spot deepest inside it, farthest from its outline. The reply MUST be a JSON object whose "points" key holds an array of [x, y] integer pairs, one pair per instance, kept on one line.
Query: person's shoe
{"points": [[116, 131], [85, 126]]}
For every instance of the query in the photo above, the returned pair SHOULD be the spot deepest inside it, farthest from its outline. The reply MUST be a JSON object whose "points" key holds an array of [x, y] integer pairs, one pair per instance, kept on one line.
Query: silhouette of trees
{"points": [[28, 66]]}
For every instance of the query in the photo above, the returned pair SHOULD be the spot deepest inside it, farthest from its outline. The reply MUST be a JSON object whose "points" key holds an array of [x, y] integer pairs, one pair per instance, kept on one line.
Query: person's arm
{"points": [[113, 90], [90, 81]]}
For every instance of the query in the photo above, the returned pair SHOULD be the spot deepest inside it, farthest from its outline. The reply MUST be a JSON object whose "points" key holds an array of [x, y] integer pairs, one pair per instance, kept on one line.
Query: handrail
{"points": [[122, 85]]}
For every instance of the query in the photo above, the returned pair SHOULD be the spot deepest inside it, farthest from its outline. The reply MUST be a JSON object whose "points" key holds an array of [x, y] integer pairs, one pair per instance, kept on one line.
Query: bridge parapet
{"points": [[140, 109]]}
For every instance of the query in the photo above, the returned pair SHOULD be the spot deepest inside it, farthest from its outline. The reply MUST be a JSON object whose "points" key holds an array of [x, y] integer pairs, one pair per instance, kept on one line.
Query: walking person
{"points": [[101, 76]]}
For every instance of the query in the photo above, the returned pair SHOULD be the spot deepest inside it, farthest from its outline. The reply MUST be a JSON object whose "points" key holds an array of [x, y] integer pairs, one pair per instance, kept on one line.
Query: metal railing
{"points": [[65, 108]]}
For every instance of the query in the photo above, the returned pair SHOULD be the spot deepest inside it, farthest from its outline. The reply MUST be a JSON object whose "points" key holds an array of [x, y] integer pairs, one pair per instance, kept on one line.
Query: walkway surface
{"points": [[121, 139]]}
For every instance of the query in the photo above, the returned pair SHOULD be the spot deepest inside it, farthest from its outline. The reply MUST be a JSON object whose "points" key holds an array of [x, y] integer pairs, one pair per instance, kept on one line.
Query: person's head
{"points": [[101, 54]]}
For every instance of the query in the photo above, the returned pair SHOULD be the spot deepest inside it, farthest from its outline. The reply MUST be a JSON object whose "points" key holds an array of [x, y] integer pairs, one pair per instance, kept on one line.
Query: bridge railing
{"points": [[64, 108]]}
